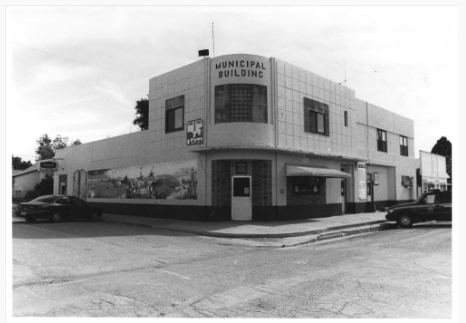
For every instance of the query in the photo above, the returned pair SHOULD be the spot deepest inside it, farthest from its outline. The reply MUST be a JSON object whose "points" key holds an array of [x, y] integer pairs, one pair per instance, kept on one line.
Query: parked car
{"points": [[57, 207], [434, 205]]}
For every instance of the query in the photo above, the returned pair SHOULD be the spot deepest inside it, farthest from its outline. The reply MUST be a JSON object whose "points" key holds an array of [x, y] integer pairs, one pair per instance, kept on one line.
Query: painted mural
{"points": [[155, 181]]}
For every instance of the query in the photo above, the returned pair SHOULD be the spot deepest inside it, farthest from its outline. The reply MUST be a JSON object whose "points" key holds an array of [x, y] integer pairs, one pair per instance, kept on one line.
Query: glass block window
{"points": [[403, 146], [240, 103], [381, 140], [174, 114]]}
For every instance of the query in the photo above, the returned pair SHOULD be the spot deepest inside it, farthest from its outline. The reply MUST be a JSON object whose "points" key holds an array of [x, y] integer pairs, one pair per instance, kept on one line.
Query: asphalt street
{"points": [[102, 269]]}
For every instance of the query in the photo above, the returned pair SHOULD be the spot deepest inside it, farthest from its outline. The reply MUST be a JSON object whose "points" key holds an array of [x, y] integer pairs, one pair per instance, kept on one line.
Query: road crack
{"points": [[430, 270]]}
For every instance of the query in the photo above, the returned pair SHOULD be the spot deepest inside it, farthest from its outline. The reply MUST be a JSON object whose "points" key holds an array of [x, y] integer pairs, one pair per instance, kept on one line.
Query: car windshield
{"points": [[45, 199], [421, 197]]}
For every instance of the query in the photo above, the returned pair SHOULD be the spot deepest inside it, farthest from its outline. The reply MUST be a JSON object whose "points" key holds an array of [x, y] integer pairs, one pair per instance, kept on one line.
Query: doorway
{"points": [[343, 196], [241, 201]]}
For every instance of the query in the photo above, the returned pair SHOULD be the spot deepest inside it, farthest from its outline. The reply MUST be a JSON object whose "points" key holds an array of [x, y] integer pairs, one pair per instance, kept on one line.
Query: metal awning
{"points": [[314, 171]]}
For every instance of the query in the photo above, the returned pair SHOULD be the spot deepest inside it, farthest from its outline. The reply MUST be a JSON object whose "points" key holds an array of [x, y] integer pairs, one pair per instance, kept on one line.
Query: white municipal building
{"points": [[246, 137]]}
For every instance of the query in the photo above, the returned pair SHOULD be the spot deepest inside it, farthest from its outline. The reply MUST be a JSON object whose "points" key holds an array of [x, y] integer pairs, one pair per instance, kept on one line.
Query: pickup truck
{"points": [[433, 205]]}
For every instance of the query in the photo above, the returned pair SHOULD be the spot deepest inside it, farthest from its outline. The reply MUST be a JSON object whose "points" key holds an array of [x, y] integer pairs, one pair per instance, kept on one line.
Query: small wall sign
{"points": [[376, 178], [241, 168], [195, 132]]}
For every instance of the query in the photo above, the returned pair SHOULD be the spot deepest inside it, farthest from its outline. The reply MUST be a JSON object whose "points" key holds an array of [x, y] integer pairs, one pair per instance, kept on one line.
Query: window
{"points": [[346, 118], [305, 185], [381, 140], [77, 202], [174, 114], [445, 197], [241, 187], [316, 117], [64, 200], [316, 122], [429, 199], [240, 103], [403, 146]]}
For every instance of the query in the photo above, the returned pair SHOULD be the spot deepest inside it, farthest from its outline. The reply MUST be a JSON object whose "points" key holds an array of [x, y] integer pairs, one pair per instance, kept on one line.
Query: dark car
{"points": [[434, 205], [56, 208]]}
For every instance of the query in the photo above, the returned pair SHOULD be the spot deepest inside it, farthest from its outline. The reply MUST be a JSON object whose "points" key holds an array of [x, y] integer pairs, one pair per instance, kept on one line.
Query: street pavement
{"points": [[107, 269]]}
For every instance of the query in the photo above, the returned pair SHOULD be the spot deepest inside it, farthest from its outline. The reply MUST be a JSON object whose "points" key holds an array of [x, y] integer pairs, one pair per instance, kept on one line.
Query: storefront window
{"points": [[305, 185], [240, 103]]}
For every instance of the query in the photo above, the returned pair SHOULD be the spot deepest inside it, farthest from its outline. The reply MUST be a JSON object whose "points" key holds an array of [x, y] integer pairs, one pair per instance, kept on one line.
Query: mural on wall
{"points": [[155, 181]]}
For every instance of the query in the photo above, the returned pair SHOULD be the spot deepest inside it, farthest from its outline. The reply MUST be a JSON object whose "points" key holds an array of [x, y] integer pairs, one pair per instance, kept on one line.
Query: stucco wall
{"points": [[25, 183], [190, 81], [369, 118], [292, 85]]}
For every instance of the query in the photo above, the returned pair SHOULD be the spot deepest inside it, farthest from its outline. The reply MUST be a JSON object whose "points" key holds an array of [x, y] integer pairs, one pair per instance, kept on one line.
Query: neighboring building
{"points": [[431, 171], [25, 180], [247, 137]]}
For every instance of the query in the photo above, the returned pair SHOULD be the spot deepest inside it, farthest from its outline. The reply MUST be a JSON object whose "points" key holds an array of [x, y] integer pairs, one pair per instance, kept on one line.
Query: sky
{"points": [[78, 71]]}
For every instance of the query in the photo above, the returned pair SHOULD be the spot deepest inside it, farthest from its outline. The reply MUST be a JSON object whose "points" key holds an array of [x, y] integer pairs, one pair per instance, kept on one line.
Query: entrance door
{"points": [[343, 196], [241, 201]]}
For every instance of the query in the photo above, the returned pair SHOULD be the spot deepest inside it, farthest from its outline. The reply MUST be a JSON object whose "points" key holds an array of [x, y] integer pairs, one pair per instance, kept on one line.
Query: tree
{"points": [[47, 147], [142, 114], [19, 164], [44, 187], [76, 142], [443, 148]]}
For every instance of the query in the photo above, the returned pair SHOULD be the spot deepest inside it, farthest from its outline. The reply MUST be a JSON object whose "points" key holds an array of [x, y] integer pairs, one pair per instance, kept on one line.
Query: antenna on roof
{"points": [[213, 41], [344, 67]]}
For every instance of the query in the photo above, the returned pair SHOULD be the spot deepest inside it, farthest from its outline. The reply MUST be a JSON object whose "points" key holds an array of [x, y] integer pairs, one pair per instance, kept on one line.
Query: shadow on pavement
{"points": [[446, 225], [78, 229]]}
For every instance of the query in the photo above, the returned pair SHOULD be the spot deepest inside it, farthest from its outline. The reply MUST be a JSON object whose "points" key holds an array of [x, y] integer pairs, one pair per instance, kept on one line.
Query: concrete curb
{"points": [[319, 233], [341, 234]]}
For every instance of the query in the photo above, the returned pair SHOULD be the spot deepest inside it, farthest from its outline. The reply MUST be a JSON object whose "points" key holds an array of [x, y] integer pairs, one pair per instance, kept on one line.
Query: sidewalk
{"points": [[307, 230]]}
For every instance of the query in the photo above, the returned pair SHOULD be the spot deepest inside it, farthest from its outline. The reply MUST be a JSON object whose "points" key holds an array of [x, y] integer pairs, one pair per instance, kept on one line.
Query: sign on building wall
{"points": [[195, 132], [362, 181], [240, 68], [48, 165], [376, 178]]}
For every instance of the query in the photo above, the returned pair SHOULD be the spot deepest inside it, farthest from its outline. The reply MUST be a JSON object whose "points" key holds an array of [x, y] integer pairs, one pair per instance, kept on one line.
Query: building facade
{"points": [[244, 137], [431, 171], [24, 181]]}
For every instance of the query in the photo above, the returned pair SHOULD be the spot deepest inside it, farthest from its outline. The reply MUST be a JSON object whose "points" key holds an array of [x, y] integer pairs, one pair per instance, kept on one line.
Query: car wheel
{"points": [[94, 216], [55, 217], [405, 221], [30, 219]]}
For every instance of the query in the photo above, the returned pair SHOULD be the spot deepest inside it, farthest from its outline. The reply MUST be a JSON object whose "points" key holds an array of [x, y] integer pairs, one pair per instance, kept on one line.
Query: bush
{"points": [[44, 187]]}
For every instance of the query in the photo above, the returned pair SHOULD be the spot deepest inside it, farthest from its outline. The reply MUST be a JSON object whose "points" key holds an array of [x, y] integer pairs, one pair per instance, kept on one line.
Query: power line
{"points": [[75, 61], [23, 155]]}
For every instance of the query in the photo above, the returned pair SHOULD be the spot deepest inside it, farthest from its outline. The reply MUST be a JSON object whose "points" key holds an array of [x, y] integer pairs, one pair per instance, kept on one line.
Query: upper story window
{"points": [[403, 146], [174, 114], [346, 118], [240, 103], [381, 140], [316, 117]]}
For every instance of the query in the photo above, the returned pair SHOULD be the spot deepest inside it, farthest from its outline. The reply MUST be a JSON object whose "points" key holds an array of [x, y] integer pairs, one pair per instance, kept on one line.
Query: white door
{"points": [[241, 200]]}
